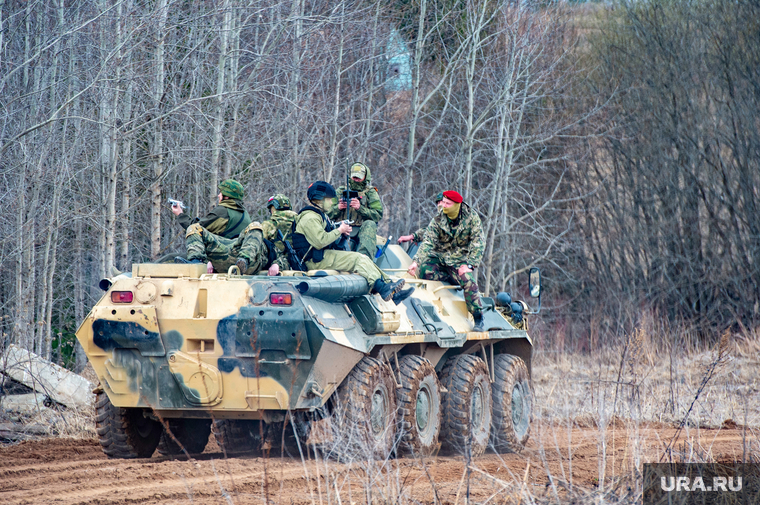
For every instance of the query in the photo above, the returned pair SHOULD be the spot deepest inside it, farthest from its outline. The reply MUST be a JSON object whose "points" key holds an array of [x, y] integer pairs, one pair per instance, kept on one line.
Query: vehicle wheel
{"points": [[466, 407], [190, 434], [125, 433], [419, 406], [512, 404], [238, 436], [366, 410]]}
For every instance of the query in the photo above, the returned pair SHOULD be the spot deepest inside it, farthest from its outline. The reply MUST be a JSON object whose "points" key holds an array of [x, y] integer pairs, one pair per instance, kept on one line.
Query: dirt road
{"points": [[66, 471]]}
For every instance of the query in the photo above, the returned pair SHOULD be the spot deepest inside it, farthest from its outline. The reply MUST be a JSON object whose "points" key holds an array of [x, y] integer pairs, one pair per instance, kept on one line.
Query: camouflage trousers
{"points": [[367, 239], [434, 270], [353, 262], [224, 252]]}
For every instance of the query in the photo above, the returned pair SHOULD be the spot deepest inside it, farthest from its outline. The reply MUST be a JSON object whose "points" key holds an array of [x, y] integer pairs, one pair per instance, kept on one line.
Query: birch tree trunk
{"points": [[158, 136]]}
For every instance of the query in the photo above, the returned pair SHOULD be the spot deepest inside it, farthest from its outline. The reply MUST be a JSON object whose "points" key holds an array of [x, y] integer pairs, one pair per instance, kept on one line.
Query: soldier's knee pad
{"points": [[194, 229]]}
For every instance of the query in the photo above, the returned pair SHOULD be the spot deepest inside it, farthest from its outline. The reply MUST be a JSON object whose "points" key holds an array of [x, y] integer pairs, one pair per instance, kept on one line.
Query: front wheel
{"points": [[125, 433], [419, 406], [512, 404], [466, 406], [366, 412]]}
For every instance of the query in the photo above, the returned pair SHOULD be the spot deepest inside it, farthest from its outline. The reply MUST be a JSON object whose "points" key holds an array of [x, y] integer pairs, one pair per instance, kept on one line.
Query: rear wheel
{"points": [[125, 433], [239, 436], [366, 412], [189, 435], [466, 407], [512, 404], [419, 406]]}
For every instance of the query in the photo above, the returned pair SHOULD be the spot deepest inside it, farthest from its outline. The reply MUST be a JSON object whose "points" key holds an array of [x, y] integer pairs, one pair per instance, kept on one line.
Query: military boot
{"points": [[478, 322], [242, 264], [386, 290], [402, 295], [185, 261]]}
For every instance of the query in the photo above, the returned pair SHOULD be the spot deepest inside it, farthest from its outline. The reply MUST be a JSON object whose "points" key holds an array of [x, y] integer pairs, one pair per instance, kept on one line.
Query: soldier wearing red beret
{"points": [[451, 249]]}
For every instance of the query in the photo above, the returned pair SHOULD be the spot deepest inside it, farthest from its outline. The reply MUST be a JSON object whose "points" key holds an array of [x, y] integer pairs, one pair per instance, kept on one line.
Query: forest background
{"points": [[614, 145]]}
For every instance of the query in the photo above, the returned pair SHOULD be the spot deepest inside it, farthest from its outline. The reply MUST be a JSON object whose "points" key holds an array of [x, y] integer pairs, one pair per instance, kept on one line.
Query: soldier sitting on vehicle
{"points": [[256, 252], [315, 237], [281, 219], [365, 209], [227, 219], [451, 249], [417, 236]]}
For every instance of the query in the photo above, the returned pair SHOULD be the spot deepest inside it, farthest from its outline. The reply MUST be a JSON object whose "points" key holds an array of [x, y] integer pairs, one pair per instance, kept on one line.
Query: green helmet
{"points": [[232, 189], [439, 197], [279, 202]]}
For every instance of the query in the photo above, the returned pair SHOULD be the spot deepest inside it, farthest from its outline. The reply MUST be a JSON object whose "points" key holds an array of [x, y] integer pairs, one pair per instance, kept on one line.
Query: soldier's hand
{"points": [[463, 269], [345, 228], [176, 210], [412, 270], [355, 203], [342, 204], [405, 238], [274, 269]]}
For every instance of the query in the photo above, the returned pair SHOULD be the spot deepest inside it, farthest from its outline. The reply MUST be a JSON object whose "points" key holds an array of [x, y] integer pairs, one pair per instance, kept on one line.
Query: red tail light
{"points": [[121, 296], [281, 299]]}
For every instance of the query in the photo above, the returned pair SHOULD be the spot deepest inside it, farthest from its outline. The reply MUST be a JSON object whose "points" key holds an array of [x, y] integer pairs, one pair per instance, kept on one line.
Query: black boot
{"points": [[402, 295], [242, 264], [478, 322], [185, 261], [386, 290]]}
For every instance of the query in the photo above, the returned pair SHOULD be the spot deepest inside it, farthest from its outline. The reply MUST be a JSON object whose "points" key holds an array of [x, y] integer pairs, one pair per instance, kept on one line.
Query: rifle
{"points": [[344, 241], [295, 262]]}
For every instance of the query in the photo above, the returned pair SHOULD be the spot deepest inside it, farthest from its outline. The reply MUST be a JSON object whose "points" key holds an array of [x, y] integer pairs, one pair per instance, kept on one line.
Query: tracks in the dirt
{"points": [[69, 472]]}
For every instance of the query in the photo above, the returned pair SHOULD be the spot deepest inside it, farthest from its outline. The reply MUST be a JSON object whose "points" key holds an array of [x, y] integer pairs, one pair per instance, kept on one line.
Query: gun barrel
{"points": [[334, 288]]}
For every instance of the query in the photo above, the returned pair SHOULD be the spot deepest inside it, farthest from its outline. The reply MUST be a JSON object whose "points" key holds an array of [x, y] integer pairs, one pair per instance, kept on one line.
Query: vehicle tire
{"points": [[512, 404], [466, 406], [366, 411], [419, 406], [123, 432], [238, 436], [190, 434]]}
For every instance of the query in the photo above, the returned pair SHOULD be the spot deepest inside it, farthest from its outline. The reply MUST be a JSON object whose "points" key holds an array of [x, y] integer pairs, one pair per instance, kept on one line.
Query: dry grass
{"points": [[648, 381]]}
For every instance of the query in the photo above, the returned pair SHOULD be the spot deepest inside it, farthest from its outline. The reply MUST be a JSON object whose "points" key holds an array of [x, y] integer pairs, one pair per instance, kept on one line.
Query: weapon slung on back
{"points": [[296, 263]]}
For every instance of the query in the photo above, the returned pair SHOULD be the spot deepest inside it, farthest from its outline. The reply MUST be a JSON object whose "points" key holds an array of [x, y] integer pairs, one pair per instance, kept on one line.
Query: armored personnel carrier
{"points": [[179, 351]]}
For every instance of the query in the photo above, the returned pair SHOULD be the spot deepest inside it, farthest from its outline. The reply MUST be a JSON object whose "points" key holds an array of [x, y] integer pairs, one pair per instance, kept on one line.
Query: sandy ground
{"points": [[557, 460]]}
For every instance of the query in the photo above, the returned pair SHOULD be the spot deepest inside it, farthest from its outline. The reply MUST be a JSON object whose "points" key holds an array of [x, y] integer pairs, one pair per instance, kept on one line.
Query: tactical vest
{"points": [[303, 248], [237, 222]]}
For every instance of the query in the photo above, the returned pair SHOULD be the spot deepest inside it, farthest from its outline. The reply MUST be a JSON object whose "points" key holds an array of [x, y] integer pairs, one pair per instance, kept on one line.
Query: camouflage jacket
{"points": [[453, 243], [371, 208], [419, 235], [280, 220]]}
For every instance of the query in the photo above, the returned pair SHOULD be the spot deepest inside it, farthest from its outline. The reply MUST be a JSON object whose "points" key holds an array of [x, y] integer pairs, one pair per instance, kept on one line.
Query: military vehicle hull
{"points": [[173, 345]]}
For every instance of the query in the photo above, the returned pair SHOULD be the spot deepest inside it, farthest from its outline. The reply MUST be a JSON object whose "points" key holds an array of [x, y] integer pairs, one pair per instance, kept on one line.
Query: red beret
{"points": [[453, 196]]}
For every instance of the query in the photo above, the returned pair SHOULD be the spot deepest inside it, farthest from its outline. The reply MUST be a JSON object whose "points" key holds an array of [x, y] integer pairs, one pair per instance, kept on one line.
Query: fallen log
{"points": [[27, 404], [56, 382]]}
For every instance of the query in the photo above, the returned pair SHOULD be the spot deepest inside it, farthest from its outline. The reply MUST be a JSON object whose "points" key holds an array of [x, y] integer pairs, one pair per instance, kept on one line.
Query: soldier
{"points": [[420, 234], [281, 219], [227, 219], [256, 252], [451, 249], [365, 211], [314, 240]]}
